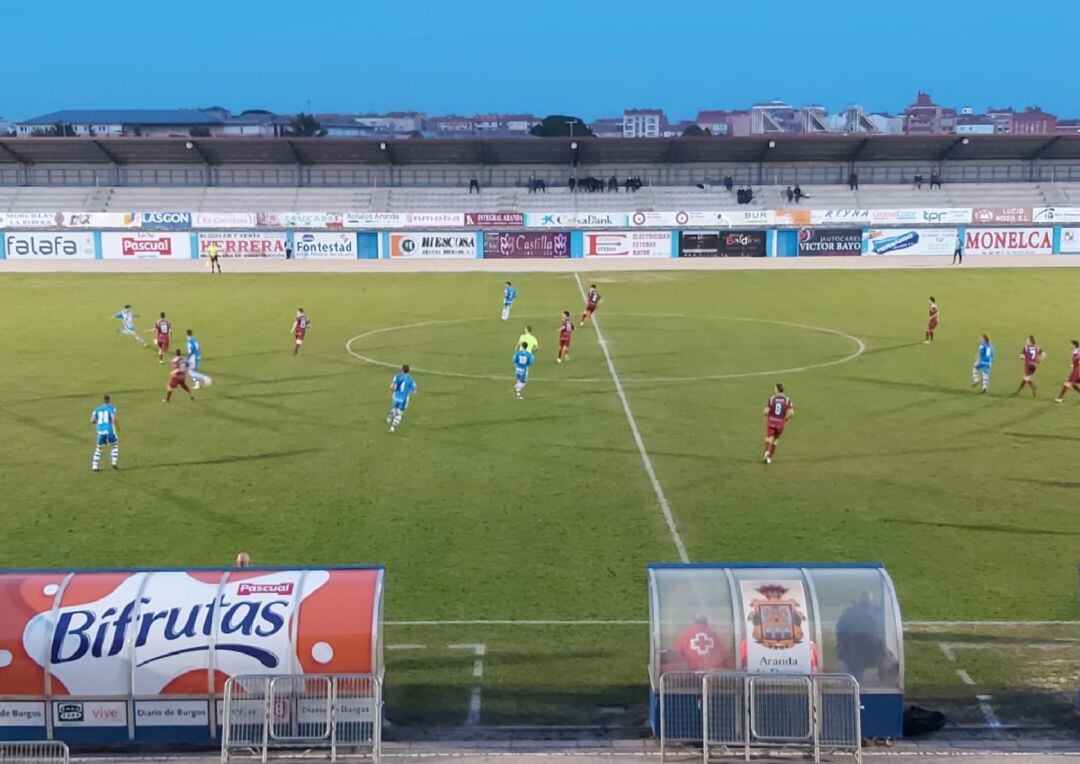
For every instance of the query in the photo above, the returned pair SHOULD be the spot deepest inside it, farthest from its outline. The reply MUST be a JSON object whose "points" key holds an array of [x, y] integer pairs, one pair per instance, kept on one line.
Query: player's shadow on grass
{"points": [[71, 396], [1048, 483], [889, 348], [895, 383], [234, 459], [989, 527], [1037, 436]]}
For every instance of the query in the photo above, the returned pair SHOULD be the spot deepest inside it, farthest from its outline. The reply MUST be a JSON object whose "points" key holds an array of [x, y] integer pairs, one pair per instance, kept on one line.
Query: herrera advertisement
{"points": [[911, 241], [723, 244], [829, 241], [527, 244], [70, 245], [243, 244], [1009, 241], [433, 245], [172, 637], [325, 245], [140, 245], [627, 244]]}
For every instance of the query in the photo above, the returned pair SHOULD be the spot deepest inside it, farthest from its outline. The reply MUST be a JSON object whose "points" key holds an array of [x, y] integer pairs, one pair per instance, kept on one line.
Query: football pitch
{"points": [[484, 507]]}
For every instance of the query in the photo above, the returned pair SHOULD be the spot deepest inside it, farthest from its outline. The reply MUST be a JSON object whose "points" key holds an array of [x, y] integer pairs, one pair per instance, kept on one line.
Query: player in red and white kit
{"points": [[162, 336], [178, 377], [299, 329], [592, 299], [931, 325], [777, 413], [566, 331], [1032, 356], [1074, 373]]}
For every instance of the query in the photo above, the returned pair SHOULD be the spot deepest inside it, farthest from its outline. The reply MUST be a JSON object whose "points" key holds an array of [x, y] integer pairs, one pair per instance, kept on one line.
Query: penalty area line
{"points": [[665, 508]]}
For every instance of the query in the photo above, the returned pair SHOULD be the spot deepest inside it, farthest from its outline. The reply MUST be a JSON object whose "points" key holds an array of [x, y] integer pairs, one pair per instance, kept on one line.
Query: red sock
{"points": [[772, 449], [168, 395]]}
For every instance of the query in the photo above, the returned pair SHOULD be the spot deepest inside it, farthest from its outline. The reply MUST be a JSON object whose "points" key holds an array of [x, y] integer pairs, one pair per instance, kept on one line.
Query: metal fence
{"points": [[735, 713], [338, 714], [34, 752]]}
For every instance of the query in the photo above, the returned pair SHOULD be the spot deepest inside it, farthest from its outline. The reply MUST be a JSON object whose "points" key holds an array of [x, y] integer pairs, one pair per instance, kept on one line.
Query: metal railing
{"points": [[339, 713], [34, 752], [740, 713]]}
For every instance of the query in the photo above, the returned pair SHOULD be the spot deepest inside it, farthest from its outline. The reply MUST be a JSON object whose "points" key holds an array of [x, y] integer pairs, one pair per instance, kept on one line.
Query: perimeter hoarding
{"points": [[83, 647], [1001, 215], [527, 244], [829, 242], [243, 243], [919, 216], [336, 245], [1055, 215], [434, 245], [214, 220], [494, 219], [145, 245], [703, 219], [627, 243], [49, 245], [911, 241], [1009, 241], [1070, 241], [577, 219], [722, 244]]}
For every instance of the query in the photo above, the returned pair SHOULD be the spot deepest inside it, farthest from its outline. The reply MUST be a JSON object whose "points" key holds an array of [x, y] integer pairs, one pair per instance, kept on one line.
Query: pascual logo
{"points": [[285, 589], [131, 246], [70, 712]]}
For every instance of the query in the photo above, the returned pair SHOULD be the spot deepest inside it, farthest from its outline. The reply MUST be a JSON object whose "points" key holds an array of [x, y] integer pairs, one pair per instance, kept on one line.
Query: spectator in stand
{"points": [[572, 183], [749, 194], [474, 184], [705, 185], [935, 180], [853, 181], [917, 181], [541, 185], [531, 184], [729, 183], [613, 184], [790, 194], [799, 195]]}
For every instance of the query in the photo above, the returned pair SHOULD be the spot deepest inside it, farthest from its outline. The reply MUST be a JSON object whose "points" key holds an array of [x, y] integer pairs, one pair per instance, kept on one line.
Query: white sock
{"points": [[115, 455], [96, 461]]}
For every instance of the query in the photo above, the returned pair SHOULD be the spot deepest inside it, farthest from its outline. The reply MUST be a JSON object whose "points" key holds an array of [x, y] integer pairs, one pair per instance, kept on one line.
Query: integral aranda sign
{"points": [[1009, 241]]}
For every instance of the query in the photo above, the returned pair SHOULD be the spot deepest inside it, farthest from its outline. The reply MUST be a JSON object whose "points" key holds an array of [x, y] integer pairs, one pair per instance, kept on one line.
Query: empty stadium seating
{"points": [[557, 199]]}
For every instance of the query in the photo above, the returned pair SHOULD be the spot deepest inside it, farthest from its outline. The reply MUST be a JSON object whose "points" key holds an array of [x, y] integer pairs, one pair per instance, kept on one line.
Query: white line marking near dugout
{"points": [[657, 489], [988, 711], [479, 650], [965, 677], [950, 656], [406, 647]]}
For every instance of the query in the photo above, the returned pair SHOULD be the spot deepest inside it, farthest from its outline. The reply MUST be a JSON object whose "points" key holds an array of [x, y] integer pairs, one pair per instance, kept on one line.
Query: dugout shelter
{"points": [[778, 619]]}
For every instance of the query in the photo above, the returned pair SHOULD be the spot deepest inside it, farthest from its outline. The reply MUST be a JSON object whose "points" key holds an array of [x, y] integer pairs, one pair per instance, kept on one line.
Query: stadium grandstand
{"points": [[219, 174]]}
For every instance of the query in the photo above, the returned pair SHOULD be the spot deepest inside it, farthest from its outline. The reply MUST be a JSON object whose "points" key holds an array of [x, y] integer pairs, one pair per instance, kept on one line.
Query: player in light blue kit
{"points": [[104, 420], [980, 372], [523, 359], [127, 318], [509, 295], [403, 385], [194, 352]]}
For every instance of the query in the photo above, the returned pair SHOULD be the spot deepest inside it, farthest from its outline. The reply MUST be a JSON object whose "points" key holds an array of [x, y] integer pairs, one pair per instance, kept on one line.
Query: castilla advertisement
{"points": [[911, 241], [243, 244], [1009, 241], [141, 245], [627, 244], [527, 244], [49, 245], [433, 245], [829, 241], [722, 244]]}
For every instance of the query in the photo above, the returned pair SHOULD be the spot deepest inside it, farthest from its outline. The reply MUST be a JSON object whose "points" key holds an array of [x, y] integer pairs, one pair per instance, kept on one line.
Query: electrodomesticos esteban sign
{"points": [[527, 244], [180, 633], [145, 244], [723, 244], [51, 246], [829, 241], [911, 241], [627, 244], [243, 244], [433, 244], [1009, 241]]}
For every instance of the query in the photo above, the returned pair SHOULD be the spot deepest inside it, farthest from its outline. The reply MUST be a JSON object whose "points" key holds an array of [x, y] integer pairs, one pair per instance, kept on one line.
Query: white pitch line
{"points": [[657, 489], [965, 677], [511, 622], [988, 711], [479, 650], [406, 647], [947, 651]]}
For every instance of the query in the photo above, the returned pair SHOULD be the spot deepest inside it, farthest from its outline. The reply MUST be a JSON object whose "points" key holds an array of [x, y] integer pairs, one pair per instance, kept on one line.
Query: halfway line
{"points": [[660, 497]]}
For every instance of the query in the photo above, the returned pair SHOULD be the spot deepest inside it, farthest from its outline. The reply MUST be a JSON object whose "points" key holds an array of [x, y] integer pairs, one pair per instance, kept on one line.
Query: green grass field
{"points": [[485, 507]]}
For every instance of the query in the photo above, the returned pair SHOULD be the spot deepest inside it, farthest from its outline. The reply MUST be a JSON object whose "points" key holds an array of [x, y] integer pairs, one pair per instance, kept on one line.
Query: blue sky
{"points": [[590, 57]]}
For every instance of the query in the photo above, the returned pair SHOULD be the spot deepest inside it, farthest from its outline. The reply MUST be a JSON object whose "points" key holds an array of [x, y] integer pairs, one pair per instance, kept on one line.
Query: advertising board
{"points": [[243, 243], [165, 221], [911, 241], [338, 244], [50, 245], [527, 244], [1001, 215], [495, 219], [918, 216], [1055, 215], [374, 220], [702, 219], [829, 241], [145, 245], [1070, 241], [627, 244], [846, 216], [576, 219], [433, 245], [1008, 241], [223, 220], [722, 244]]}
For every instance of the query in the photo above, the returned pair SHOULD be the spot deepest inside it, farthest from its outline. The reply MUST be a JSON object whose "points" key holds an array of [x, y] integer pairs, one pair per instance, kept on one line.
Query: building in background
{"points": [[607, 127], [394, 122], [127, 122], [644, 123], [924, 117], [970, 123], [724, 122], [1034, 121], [6, 128]]}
